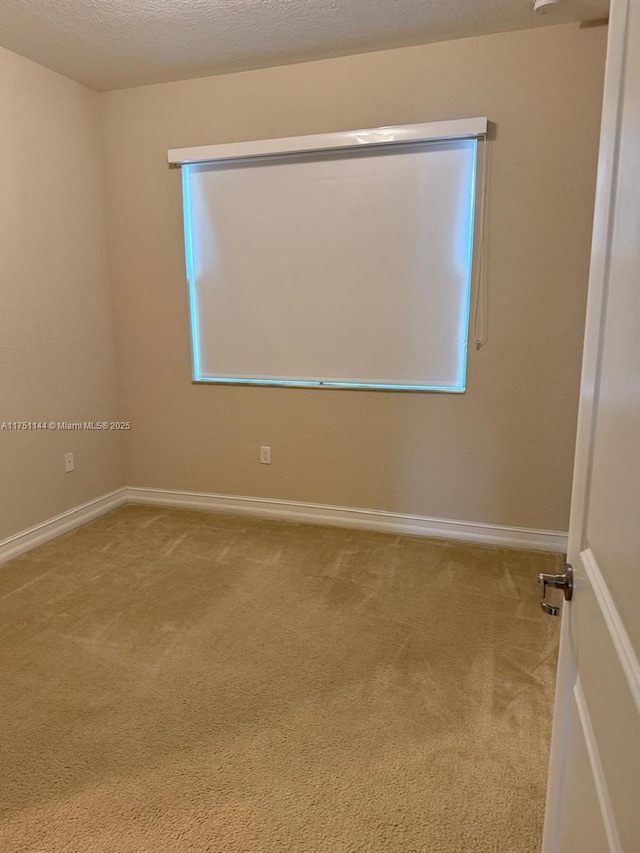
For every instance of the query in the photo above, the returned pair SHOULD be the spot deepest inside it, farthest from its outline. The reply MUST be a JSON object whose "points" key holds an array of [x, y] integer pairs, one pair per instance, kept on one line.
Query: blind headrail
{"points": [[467, 128]]}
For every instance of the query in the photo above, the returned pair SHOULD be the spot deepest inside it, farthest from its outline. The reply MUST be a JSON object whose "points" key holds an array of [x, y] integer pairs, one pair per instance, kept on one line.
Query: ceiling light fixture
{"points": [[541, 7]]}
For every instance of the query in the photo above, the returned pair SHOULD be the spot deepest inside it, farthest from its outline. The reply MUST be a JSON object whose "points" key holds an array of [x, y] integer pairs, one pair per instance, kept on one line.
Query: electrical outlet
{"points": [[265, 456], [69, 464]]}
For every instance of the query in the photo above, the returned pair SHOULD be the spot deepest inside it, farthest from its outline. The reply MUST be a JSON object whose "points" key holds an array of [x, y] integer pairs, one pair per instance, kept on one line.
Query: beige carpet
{"points": [[178, 681]]}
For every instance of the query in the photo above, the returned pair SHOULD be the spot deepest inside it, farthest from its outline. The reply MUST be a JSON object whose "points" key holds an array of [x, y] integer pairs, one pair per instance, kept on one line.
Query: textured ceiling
{"points": [[109, 44]]}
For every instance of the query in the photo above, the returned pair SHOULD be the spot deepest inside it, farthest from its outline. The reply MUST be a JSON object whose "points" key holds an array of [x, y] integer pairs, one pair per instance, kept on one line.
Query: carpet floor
{"points": [[177, 681]]}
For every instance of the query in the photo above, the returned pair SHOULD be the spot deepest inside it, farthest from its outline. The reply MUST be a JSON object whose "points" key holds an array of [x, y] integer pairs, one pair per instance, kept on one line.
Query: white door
{"points": [[593, 799]]}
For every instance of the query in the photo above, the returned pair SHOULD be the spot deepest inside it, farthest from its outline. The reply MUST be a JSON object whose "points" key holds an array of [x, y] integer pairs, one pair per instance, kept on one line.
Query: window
{"points": [[340, 260]]}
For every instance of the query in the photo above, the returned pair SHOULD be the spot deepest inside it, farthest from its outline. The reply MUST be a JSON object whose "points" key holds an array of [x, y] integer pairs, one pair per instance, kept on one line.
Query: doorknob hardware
{"points": [[563, 581]]}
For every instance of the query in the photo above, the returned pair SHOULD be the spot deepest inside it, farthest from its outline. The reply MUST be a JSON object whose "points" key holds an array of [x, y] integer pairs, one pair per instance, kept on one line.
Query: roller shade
{"points": [[334, 266]]}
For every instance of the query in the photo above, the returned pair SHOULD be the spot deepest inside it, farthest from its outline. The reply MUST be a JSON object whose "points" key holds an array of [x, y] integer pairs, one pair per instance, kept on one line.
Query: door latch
{"points": [[563, 581]]}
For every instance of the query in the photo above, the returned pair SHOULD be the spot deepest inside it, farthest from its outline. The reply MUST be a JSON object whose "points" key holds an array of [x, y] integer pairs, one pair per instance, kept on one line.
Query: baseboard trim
{"points": [[362, 519], [24, 541], [307, 513]]}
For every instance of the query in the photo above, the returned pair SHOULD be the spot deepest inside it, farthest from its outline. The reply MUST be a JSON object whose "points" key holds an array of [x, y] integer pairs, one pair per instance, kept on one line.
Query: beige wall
{"points": [[56, 342], [503, 452]]}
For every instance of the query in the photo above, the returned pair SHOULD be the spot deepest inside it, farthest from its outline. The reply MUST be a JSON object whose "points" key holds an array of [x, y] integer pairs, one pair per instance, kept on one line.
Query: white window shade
{"points": [[335, 268]]}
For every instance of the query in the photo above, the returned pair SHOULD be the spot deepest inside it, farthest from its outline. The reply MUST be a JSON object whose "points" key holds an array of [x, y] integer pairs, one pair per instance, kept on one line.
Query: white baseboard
{"points": [[41, 533], [362, 519]]}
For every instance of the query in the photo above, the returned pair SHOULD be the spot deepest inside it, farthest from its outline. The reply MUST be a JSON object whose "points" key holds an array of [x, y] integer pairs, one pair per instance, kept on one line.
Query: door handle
{"points": [[563, 581]]}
